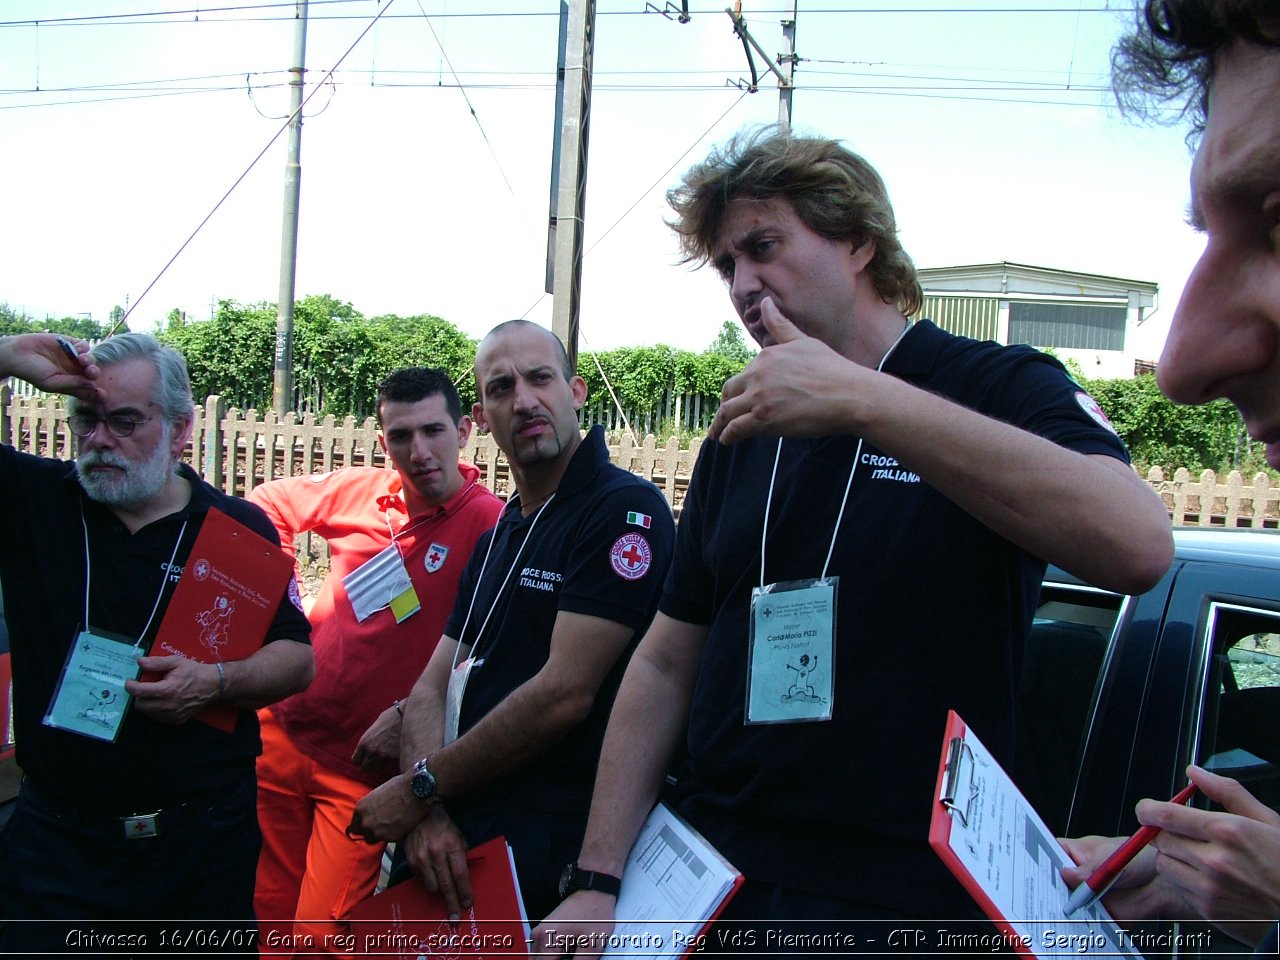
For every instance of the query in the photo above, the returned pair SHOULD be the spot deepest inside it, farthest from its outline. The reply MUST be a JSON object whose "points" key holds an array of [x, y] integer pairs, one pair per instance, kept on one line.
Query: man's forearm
{"points": [[648, 720], [278, 670], [529, 720], [525, 725], [1090, 515], [422, 726]]}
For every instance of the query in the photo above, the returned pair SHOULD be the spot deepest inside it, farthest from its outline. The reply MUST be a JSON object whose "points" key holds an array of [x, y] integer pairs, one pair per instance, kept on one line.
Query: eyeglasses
{"points": [[120, 424]]}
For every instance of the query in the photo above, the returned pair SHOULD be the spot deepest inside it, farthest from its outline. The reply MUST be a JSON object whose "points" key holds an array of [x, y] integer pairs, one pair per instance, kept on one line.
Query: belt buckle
{"points": [[140, 825]]}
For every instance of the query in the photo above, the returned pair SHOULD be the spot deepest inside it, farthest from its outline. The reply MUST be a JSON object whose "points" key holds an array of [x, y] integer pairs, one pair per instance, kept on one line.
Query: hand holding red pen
{"points": [[1220, 865], [1104, 875]]}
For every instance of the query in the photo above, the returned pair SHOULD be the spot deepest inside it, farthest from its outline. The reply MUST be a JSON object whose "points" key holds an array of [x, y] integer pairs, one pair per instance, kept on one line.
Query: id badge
{"points": [[381, 582], [791, 671], [453, 697], [90, 698]]}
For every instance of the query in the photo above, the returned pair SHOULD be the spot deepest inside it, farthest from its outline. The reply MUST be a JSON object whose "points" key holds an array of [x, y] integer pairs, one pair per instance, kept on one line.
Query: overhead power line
{"points": [[286, 13], [253, 163]]}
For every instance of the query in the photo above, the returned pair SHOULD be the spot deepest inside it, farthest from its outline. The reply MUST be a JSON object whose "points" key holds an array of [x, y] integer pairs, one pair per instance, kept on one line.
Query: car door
{"points": [[1206, 690]]}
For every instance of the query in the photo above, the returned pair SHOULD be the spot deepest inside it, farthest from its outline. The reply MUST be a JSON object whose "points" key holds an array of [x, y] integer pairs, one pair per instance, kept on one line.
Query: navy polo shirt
{"points": [[601, 547], [43, 574], [933, 609]]}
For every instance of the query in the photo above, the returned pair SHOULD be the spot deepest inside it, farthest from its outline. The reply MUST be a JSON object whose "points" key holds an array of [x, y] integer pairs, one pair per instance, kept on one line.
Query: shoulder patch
{"points": [[435, 557], [631, 556], [1091, 407]]}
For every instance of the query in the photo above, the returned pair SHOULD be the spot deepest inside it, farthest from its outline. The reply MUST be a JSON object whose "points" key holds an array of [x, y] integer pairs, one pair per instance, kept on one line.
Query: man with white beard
{"points": [[145, 814]]}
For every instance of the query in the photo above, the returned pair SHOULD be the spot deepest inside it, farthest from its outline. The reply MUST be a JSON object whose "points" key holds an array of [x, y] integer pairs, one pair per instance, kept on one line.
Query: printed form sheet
{"points": [[1013, 859], [673, 883]]}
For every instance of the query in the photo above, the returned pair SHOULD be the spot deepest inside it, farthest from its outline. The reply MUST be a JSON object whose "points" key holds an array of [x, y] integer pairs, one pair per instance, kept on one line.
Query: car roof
{"points": [[1255, 547], [1251, 547]]}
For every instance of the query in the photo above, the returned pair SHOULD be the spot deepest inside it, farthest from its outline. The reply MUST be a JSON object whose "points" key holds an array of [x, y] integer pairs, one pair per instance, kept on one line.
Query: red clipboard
{"points": [[999, 848], [411, 922], [224, 602]]}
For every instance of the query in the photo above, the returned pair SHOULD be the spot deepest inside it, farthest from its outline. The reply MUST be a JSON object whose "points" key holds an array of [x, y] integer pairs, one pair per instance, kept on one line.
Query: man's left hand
{"points": [[388, 812], [380, 744], [788, 389], [1225, 864], [182, 690]]}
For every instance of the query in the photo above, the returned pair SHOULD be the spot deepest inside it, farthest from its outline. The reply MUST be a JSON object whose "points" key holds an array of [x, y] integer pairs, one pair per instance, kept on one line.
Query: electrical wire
{"points": [[755, 15], [702, 136], [476, 117], [125, 316]]}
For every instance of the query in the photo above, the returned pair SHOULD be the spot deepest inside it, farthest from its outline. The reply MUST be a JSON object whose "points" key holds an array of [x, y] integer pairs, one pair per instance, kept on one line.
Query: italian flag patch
{"points": [[639, 519]]}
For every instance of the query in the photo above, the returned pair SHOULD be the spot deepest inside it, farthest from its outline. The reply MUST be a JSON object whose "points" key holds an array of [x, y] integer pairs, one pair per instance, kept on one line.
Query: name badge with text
{"points": [[791, 671], [90, 698]]}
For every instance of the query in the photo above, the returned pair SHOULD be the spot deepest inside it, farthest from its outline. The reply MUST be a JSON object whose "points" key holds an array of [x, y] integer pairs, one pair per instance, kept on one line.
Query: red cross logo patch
{"points": [[631, 556], [434, 560]]}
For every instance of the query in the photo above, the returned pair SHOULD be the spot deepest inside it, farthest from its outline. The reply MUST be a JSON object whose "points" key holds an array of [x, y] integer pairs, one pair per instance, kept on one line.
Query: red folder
{"points": [[224, 602], [411, 922]]}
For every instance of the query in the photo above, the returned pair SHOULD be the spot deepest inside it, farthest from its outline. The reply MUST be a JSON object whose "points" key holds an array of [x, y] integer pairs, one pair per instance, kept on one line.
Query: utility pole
{"points": [[750, 43], [788, 60], [569, 169], [282, 383]]}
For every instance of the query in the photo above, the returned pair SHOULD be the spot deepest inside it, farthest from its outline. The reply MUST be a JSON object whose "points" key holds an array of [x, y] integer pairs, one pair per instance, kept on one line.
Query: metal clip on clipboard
{"points": [[959, 777]]}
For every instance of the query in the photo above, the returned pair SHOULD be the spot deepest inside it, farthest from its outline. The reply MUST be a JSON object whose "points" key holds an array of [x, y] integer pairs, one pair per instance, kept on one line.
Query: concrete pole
{"points": [[565, 237], [282, 382], [788, 59]]}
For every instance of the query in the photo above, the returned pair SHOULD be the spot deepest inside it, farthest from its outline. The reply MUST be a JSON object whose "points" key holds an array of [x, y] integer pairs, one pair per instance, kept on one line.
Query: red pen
{"points": [[1100, 881]]}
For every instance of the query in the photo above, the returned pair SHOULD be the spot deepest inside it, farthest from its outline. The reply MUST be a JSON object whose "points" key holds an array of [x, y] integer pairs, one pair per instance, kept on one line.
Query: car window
{"points": [[1061, 663], [1239, 732], [9, 773], [1238, 736]]}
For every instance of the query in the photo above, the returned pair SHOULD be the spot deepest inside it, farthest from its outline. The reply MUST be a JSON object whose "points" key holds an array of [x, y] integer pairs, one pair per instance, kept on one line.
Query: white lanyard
{"points": [[480, 579], [857, 453], [395, 537], [88, 576]]}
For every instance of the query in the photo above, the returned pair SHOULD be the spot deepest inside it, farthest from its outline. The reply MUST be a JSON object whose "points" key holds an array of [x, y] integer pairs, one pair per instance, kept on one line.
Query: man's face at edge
{"points": [[1224, 340]]}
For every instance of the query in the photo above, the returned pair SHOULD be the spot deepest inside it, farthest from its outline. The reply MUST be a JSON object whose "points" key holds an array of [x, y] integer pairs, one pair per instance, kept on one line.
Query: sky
{"points": [[426, 156]]}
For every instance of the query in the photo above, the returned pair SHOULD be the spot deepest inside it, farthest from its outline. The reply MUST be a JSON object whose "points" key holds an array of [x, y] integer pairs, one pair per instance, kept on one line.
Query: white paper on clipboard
{"points": [[989, 836]]}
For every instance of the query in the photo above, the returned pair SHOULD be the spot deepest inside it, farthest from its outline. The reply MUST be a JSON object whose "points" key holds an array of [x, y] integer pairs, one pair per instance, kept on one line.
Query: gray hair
{"points": [[173, 386]]}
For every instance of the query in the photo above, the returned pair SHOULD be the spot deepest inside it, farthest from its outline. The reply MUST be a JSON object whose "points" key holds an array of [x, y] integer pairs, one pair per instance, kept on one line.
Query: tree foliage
{"points": [[12, 322], [1160, 433], [642, 376], [339, 355], [731, 344]]}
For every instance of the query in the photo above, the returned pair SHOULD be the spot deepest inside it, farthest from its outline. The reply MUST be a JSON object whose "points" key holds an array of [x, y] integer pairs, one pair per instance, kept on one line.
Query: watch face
{"points": [[423, 783], [565, 876]]}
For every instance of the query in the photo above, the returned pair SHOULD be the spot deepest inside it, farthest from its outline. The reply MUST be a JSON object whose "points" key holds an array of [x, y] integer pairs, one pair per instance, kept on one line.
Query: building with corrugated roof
{"points": [[1086, 317]]}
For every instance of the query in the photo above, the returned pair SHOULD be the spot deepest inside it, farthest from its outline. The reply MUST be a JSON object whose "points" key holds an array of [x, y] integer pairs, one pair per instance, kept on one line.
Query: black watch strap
{"points": [[575, 878]]}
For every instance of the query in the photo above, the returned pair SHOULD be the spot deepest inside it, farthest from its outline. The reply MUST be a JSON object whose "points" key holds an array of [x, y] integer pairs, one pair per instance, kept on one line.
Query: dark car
{"points": [[1120, 693], [9, 775]]}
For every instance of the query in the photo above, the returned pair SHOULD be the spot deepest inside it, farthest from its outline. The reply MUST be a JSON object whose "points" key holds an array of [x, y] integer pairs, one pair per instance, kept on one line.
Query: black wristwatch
{"points": [[424, 781], [575, 878]]}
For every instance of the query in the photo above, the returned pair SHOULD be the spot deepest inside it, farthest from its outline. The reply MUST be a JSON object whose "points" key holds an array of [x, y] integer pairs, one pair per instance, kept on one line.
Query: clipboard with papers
{"points": [[674, 885], [995, 843]]}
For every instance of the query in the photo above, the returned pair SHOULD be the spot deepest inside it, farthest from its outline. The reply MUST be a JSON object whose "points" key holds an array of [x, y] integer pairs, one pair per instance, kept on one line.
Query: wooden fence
{"points": [[237, 450]]}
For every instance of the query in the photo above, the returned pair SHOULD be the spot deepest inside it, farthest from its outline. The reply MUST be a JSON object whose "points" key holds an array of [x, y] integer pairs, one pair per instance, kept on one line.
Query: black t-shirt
{"points": [[601, 548], [43, 574], [932, 612]]}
